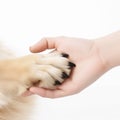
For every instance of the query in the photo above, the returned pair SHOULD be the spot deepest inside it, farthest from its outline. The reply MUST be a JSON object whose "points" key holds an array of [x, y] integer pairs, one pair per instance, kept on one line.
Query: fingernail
{"points": [[30, 48]]}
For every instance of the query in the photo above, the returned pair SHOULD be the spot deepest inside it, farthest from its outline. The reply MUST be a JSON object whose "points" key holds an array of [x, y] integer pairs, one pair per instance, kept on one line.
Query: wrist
{"points": [[109, 49]]}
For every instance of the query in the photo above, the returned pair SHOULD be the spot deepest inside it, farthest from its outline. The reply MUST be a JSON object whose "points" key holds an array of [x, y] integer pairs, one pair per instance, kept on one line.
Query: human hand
{"points": [[84, 53]]}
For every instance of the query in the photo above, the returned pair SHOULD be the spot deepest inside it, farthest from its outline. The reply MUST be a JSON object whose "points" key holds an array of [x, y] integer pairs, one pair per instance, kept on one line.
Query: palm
{"points": [[88, 65], [84, 54]]}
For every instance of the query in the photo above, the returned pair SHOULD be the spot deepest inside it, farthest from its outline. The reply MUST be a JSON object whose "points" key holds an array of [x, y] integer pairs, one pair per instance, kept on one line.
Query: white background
{"points": [[23, 22]]}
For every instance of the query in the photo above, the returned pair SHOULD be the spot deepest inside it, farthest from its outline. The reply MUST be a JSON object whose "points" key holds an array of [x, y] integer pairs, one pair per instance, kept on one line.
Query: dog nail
{"points": [[57, 82], [64, 75], [65, 55], [71, 64]]}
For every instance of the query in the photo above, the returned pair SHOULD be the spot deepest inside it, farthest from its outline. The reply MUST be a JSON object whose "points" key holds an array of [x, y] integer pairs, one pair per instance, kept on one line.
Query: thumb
{"points": [[43, 44]]}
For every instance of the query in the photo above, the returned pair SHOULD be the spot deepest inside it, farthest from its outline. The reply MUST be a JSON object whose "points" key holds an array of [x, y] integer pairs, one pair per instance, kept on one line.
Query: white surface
{"points": [[23, 22]]}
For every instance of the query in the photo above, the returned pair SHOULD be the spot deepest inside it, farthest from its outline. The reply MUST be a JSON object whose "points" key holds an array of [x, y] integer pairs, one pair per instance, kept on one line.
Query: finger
{"points": [[47, 93], [27, 93], [43, 44]]}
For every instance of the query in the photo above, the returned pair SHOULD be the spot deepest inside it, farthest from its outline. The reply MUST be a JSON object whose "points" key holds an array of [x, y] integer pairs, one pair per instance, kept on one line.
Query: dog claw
{"points": [[71, 64], [65, 55], [57, 82], [64, 75]]}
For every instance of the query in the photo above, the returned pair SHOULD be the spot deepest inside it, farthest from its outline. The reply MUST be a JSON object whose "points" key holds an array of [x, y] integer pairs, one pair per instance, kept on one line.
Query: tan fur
{"points": [[19, 74], [15, 107]]}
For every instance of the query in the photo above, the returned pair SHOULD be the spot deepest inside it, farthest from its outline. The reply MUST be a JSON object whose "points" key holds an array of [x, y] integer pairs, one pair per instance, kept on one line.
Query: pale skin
{"points": [[92, 58]]}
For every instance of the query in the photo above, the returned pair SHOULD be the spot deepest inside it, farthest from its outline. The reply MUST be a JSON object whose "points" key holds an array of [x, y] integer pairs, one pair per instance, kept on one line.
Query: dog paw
{"points": [[49, 71]]}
